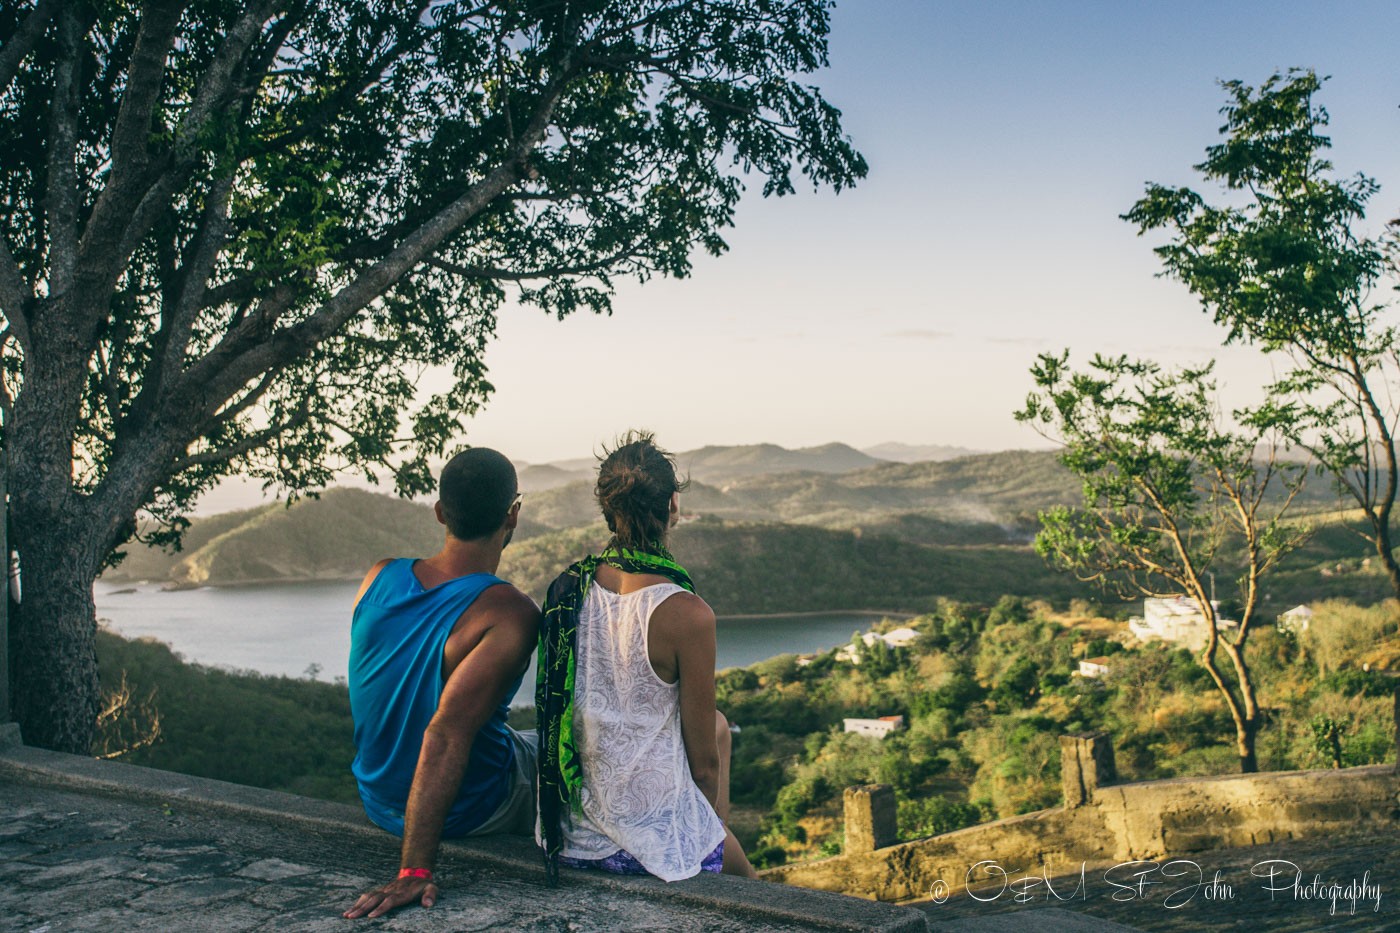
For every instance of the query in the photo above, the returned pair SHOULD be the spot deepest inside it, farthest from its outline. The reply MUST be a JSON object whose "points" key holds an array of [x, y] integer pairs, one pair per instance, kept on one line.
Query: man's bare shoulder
{"points": [[371, 575], [504, 604]]}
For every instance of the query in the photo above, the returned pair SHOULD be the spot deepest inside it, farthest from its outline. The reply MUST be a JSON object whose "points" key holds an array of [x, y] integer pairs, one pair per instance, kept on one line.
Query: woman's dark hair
{"points": [[635, 483]]}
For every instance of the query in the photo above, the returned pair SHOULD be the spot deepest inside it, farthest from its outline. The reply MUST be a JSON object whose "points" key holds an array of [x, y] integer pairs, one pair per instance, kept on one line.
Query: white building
{"points": [[879, 728], [1093, 667], [1175, 619], [899, 638], [1296, 619]]}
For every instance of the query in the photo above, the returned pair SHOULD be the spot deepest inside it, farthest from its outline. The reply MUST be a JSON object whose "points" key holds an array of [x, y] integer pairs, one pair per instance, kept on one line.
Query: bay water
{"points": [[303, 629]]}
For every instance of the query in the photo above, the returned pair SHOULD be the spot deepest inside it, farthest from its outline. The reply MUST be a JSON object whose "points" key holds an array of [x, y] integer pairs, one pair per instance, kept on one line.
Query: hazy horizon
{"points": [[241, 493], [1004, 141]]}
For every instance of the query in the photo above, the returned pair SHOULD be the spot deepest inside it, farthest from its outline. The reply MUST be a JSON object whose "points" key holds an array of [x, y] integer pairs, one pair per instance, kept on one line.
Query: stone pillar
{"points": [[1397, 728], [871, 822], [1086, 763]]}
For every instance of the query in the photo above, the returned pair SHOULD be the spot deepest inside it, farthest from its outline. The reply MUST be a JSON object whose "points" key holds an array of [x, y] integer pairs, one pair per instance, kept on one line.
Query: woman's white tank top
{"points": [[638, 794]]}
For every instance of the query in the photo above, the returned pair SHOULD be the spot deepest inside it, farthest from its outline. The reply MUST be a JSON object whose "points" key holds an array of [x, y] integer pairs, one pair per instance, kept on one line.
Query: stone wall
{"points": [[1103, 825]]}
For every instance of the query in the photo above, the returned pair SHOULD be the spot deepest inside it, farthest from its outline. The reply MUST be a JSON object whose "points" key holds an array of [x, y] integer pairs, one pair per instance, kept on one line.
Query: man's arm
{"points": [[474, 689]]}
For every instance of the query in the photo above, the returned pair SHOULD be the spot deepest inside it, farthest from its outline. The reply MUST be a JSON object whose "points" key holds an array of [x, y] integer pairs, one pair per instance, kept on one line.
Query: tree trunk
{"points": [[1245, 734], [55, 642], [1387, 555]]}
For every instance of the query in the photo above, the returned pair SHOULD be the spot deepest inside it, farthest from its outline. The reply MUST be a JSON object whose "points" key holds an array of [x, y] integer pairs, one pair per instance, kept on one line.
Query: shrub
{"points": [[933, 816]]}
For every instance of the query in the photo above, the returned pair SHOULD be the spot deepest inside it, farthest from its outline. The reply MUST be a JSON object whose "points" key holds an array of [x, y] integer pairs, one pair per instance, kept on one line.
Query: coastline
{"points": [[126, 585], [814, 613]]}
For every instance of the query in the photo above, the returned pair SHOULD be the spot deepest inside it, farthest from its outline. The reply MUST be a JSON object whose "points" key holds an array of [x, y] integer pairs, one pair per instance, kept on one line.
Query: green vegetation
{"points": [[756, 568], [275, 732], [1285, 264], [987, 692], [234, 237]]}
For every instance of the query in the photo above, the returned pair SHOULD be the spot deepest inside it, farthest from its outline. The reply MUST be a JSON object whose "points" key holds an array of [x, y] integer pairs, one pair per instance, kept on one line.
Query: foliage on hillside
{"points": [[758, 568], [275, 732], [986, 693], [336, 536]]}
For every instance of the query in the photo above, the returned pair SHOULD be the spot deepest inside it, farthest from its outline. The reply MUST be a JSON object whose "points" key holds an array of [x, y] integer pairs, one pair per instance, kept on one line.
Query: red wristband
{"points": [[416, 873]]}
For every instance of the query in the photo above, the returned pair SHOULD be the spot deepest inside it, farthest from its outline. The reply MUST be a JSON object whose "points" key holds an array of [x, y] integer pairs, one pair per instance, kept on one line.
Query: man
{"points": [[438, 647]]}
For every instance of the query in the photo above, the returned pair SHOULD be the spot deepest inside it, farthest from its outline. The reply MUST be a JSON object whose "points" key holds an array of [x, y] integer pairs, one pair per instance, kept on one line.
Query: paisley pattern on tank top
{"points": [[637, 793]]}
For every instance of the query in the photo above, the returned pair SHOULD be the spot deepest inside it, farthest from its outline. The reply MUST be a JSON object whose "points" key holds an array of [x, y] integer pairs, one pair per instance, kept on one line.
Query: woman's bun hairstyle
{"points": [[636, 480]]}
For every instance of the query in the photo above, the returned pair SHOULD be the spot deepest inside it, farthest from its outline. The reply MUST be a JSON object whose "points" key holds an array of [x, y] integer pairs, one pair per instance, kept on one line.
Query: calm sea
{"points": [[295, 629]]}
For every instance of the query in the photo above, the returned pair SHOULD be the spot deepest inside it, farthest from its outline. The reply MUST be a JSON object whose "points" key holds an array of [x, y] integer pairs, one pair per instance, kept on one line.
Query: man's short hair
{"points": [[476, 489]]}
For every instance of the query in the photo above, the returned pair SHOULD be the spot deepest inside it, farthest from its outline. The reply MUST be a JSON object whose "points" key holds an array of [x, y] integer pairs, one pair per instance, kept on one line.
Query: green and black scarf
{"points": [[561, 772]]}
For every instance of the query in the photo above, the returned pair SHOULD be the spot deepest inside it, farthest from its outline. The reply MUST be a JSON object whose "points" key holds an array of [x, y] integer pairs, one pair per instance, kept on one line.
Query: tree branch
{"points": [[14, 297], [207, 245], [250, 443], [61, 197], [18, 46], [238, 357], [134, 199], [351, 90], [508, 275], [132, 131]]}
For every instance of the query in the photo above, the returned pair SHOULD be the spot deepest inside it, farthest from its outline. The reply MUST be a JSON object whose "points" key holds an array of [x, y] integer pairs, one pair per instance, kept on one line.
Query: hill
{"points": [[892, 536], [719, 464], [749, 567], [917, 453], [538, 477], [334, 537]]}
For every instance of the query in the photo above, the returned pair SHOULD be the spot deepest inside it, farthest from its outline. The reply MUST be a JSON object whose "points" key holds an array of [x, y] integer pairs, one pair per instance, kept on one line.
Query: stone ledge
{"points": [[740, 898]]}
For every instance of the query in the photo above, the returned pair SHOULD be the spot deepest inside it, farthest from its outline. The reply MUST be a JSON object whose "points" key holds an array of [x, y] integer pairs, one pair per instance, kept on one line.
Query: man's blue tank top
{"points": [[396, 641]]}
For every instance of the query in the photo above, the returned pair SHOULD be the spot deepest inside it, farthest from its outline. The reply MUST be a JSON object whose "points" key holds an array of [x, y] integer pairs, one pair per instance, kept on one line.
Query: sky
{"points": [[1004, 141]]}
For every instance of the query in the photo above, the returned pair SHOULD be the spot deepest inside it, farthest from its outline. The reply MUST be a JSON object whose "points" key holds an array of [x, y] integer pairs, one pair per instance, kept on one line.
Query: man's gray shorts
{"points": [[516, 814]]}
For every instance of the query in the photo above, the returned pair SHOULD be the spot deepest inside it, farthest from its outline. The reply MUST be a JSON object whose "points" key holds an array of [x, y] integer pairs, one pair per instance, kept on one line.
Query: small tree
{"points": [[1171, 497], [1284, 267]]}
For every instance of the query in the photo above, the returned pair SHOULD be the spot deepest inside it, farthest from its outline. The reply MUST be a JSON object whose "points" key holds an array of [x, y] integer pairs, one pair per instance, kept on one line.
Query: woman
{"points": [[634, 758]]}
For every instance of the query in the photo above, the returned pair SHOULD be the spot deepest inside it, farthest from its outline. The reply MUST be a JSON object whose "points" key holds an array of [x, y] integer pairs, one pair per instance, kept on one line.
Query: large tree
{"points": [[236, 234], [1174, 493], [1283, 262]]}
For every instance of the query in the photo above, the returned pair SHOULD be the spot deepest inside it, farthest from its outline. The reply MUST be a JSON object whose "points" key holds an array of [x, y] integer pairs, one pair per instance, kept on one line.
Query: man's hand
{"points": [[396, 893]]}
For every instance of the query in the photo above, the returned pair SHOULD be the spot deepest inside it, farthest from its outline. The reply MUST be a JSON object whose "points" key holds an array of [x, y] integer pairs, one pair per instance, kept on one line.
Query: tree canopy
{"points": [[1173, 494], [1283, 262], [235, 235]]}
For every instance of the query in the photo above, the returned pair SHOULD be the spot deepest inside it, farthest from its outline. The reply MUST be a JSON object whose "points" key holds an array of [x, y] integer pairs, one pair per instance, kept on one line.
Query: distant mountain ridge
{"points": [[892, 536], [918, 453], [718, 464], [975, 502]]}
